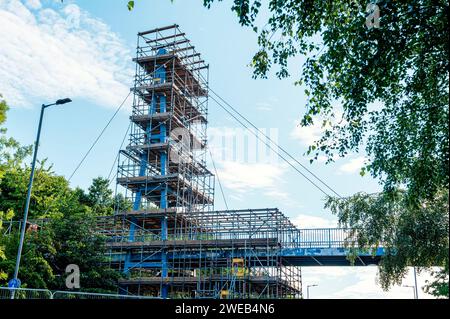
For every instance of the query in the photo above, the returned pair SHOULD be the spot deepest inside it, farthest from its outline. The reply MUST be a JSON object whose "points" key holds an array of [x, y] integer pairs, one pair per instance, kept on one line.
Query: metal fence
{"points": [[28, 293], [24, 293], [87, 295]]}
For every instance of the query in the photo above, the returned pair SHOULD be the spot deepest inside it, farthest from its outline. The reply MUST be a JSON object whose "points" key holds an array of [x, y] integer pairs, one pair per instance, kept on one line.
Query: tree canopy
{"points": [[67, 223]]}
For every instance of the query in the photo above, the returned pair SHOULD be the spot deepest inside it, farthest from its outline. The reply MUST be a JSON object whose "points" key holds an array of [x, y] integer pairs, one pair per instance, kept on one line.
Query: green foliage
{"points": [[130, 5], [36, 270], [76, 243], [100, 197], [391, 81], [4, 216], [438, 287], [3, 109], [412, 235], [68, 238], [58, 243], [47, 189], [11, 153]]}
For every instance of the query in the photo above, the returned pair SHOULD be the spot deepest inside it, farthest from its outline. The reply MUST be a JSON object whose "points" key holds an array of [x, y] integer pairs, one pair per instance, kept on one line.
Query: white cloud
{"points": [[34, 4], [242, 176], [307, 135], [323, 158], [366, 286], [353, 165], [358, 283], [310, 221], [263, 106], [47, 54]]}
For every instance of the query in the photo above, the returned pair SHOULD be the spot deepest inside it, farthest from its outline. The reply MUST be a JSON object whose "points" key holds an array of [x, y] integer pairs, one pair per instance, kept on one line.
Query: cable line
{"points": [[273, 142], [268, 145], [98, 137], [117, 156], [218, 179]]}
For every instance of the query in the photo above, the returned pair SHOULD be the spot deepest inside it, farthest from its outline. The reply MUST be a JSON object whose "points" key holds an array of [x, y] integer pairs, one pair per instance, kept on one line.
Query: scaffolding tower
{"points": [[171, 243]]}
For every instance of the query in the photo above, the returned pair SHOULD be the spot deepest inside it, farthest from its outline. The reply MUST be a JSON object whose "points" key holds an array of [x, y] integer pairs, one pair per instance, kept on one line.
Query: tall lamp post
{"points": [[307, 290], [15, 283]]}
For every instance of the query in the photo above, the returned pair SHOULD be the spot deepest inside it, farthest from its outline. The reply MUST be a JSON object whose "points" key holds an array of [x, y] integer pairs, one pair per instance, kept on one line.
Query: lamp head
{"points": [[63, 101]]}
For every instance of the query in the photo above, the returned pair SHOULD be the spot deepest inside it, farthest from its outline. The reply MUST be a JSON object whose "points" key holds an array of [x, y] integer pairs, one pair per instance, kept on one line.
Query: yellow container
{"points": [[224, 294]]}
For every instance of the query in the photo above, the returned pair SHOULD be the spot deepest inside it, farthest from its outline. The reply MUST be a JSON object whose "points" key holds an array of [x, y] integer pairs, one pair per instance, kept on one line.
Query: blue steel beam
{"points": [[290, 256]]}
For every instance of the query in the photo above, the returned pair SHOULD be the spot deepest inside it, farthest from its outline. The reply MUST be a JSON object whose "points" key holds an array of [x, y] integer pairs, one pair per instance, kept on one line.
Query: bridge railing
{"points": [[318, 238]]}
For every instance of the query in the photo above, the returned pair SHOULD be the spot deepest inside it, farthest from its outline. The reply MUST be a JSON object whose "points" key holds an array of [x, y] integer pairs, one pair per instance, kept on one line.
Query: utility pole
{"points": [[307, 290], [416, 291]]}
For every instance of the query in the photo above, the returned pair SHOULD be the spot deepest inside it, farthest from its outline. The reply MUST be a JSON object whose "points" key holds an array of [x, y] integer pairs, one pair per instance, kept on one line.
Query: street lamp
{"points": [[15, 283], [307, 290], [413, 288]]}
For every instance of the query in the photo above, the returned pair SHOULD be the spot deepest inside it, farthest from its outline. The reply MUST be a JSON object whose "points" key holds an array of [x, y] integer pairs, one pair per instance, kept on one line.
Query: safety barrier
{"points": [[29, 293], [25, 293], [88, 295]]}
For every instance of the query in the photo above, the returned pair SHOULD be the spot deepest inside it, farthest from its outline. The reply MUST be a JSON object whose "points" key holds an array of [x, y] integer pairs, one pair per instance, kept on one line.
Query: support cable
{"points": [[117, 156], [218, 179], [273, 142], [98, 137], [268, 145], [58, 196]]}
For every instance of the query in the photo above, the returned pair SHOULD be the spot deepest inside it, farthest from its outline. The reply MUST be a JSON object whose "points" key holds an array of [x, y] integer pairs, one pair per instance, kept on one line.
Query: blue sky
{"points": [[83, 49]]}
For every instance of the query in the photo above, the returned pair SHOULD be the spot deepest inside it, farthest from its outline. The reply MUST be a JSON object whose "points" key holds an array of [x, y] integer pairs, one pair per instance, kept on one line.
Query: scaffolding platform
{"points": [[172, 236]]}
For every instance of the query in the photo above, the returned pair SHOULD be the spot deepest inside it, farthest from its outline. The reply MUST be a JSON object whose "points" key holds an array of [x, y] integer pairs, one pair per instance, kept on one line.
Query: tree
{"points": [[4, 216], [402, 67], [378, 84], [410, 234], [47, 195], [100, 197], [76, 242], [11, 154], [35, 268], [55, 245], [68, 238]]}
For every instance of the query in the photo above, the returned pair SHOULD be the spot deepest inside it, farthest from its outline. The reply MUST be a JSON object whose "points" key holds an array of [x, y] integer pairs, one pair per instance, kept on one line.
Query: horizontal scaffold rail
{"points": [[205, 243]]}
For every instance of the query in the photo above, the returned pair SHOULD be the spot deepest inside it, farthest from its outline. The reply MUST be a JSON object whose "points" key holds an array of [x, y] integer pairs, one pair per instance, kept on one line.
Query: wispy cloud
{"points": [[307, 135], [245, 176], [352, 166], [366, 286], [33, 4], [311, 221], [263, 106], [52, 52], [358, 283]]}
